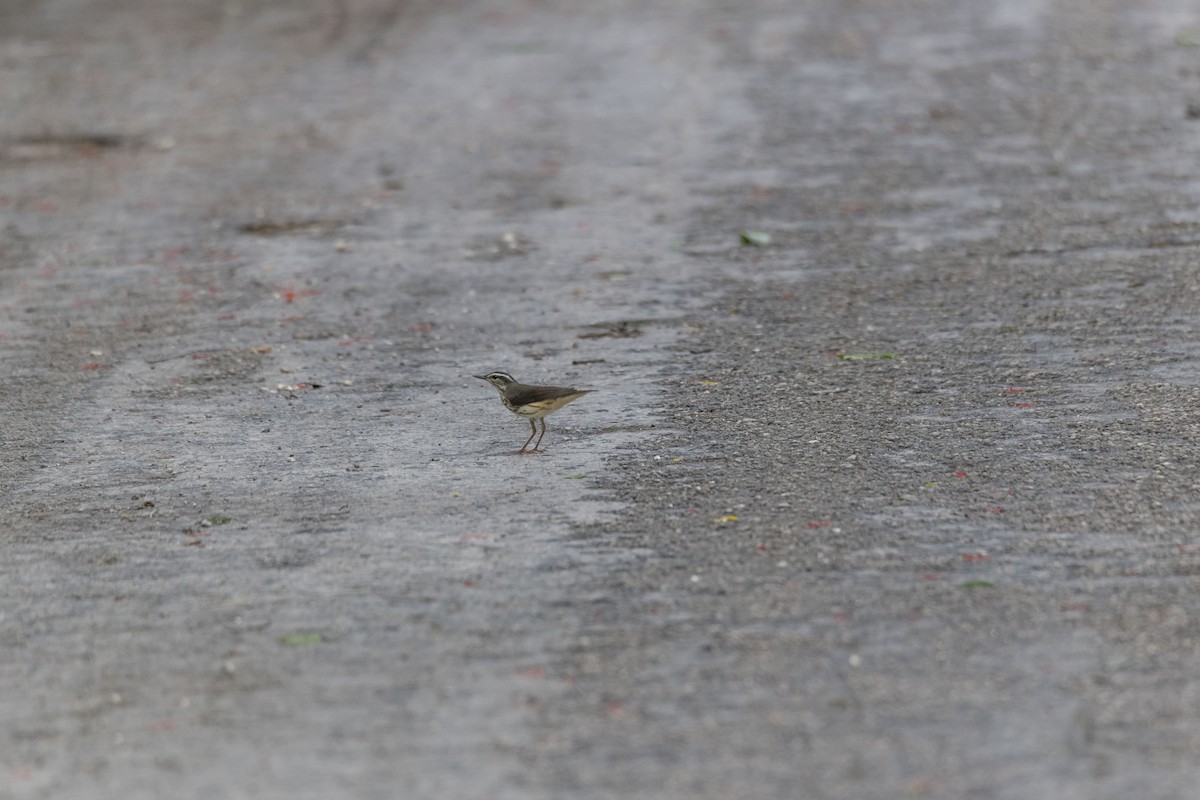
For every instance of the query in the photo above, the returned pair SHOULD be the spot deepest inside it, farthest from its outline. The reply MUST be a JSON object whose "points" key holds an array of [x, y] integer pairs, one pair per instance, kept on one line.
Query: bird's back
{"points": [[520, 394]]}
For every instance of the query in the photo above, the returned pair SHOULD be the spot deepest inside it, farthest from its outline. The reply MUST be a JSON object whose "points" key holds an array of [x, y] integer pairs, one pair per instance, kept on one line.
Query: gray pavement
{"points": [[899, 503]]}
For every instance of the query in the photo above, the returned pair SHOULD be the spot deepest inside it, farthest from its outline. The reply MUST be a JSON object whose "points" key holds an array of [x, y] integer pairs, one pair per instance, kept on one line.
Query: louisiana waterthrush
{"points": [[531, 402]]}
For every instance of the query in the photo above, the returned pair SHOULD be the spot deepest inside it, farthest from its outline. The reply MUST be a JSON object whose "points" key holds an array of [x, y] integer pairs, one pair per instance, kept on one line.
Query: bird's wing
{"points": [[525, 395]]}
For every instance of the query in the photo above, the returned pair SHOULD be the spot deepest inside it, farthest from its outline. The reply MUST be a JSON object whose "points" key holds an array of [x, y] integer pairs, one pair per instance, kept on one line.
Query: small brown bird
{"points": [[531, 402]]}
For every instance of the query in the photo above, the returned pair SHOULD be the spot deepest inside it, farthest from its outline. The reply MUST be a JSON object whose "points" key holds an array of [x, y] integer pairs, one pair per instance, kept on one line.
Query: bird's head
{"points": [[500, 380]]}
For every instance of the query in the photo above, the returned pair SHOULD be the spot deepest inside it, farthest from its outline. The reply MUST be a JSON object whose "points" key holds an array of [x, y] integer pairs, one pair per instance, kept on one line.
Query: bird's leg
{"points": [[539, 441], [533, 425]]}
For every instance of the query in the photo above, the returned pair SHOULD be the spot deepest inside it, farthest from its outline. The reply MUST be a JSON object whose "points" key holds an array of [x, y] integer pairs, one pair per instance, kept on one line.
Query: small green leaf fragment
{"points": [[300, 639], [969, 585], [866, 356], [219, 519], [756, 238], [1188, 37]]}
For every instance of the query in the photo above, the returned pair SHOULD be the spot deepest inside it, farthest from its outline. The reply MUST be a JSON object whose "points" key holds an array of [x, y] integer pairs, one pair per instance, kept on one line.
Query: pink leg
{"points": [[533, 425], [539, 441]]}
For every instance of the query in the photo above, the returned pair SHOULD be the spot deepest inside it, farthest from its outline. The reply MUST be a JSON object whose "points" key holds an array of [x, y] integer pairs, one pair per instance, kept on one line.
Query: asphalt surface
{"points": [[887, 487]]}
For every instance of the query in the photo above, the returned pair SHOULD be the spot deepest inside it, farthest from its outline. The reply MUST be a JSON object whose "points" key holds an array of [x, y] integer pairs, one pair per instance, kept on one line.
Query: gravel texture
{"points": [[887, 487]]}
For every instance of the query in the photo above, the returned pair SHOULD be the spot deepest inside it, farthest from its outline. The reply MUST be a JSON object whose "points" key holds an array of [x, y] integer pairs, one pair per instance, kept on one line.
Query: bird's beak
{"points": [[481, 377]]}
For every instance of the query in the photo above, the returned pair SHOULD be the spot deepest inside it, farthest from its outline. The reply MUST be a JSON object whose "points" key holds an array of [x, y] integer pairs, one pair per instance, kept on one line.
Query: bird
{"points": [[531, 402]]}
